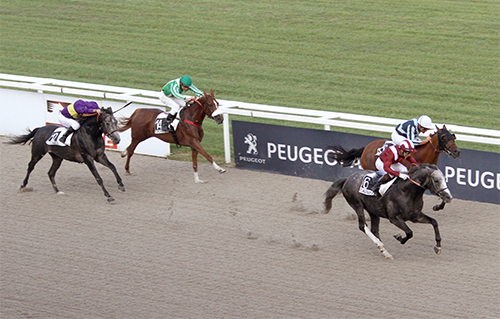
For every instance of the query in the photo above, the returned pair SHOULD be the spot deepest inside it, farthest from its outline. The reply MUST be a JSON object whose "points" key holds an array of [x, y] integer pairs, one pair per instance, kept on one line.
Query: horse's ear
{"points": [[212, 92], [444, 127], [439, 129]]}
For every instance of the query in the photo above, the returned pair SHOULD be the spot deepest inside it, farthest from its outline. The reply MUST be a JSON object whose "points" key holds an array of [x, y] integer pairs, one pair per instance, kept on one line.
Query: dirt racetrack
{"points": [[244, 245]]}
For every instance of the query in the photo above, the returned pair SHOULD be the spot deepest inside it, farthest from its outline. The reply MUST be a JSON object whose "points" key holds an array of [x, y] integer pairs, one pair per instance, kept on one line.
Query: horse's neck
{"points": [[196, 115], [427, 153], [92, 126]]}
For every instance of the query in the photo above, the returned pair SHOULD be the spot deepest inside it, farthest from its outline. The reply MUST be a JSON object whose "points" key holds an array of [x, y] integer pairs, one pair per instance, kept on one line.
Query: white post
{"points": [[227, 138]]}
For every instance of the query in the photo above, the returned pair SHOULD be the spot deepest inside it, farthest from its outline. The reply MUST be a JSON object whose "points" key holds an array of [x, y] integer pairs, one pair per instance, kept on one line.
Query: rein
{"points": [[414, 182], [419, 185], [191, 122]]}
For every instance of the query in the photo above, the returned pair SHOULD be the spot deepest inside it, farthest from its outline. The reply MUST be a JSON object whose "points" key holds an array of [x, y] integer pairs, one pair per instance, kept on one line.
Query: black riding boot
{"points": [[384, 179], [170, 118], [66, 134]]}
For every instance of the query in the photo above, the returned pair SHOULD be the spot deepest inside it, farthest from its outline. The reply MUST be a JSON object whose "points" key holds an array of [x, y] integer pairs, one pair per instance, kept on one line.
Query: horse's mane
{"points": [[422, 166]]}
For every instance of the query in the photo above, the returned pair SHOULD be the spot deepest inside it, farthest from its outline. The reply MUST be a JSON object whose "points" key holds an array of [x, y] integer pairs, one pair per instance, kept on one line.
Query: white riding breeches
{"points": [[68, 122], [174, 103], [398, 167], [396, 138]]}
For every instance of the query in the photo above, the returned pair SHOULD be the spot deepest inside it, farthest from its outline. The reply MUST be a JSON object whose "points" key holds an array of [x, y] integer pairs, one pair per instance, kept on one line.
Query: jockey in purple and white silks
{"points": [[69, 115], [172, 95], [411, 129]]}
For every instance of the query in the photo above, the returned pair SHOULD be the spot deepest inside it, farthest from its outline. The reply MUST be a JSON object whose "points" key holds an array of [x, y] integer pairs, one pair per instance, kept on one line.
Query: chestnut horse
{"points": [[441, 141], [188, 132]]}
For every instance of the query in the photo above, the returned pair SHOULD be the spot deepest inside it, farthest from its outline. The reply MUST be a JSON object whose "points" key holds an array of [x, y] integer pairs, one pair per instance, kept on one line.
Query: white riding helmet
{"points": [[425, 122]]}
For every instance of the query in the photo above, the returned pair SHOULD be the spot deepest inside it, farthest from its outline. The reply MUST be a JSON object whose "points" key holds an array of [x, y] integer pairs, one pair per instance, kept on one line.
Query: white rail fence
{"points": [[325, 118]]}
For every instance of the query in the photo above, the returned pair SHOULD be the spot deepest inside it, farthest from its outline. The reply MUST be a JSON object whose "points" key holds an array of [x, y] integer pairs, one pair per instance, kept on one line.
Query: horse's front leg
{"points": [[103, 159], [439, 207], [90, 164], [197, 148], [194, 159], [400, 223], [422, 218]]}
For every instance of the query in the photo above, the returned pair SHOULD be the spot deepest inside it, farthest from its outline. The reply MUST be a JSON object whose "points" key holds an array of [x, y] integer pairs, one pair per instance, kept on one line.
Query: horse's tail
{"points": [[125, 123], [23, 139], [343, 157], [331, 193]]}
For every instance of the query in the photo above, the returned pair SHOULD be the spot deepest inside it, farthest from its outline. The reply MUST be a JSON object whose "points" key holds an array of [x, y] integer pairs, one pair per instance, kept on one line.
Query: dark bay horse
{"points": [[441, 141], [87, 145], [188, 133], [402, 202]]}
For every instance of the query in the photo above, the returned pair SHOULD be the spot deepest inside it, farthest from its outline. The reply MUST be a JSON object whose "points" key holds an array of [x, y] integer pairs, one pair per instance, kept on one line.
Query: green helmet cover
{"points": [[186, 80]]}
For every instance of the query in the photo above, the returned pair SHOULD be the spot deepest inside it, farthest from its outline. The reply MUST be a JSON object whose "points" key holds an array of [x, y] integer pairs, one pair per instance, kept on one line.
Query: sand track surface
{"points": [[244, 245]]}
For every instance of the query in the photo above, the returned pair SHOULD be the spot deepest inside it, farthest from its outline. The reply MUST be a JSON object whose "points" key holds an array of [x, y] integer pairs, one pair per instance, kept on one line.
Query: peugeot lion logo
{"points": [[251, 140]]}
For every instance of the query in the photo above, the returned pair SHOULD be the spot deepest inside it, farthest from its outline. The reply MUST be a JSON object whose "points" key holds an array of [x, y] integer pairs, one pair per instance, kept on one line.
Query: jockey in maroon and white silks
{"points": [[389, 162]]}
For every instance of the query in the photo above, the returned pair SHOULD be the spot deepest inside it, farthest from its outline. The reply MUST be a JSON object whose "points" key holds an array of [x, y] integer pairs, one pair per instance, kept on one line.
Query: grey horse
{"points": [[402, 202]]}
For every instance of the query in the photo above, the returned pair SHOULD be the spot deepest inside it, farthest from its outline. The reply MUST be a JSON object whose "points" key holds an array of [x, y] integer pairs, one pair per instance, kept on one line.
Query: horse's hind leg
{"points": [[129, 152], [56, 163], [31, 167], [364, 228]]}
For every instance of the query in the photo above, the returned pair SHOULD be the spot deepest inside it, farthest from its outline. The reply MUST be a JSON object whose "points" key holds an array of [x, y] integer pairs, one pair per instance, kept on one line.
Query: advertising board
{"points": [[475, 175]]}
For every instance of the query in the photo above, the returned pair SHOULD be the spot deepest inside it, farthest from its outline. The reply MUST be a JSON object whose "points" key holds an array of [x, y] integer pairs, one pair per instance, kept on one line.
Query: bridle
{"points": [[101, 124], [442, 146], [204, 107], [427, 182]]}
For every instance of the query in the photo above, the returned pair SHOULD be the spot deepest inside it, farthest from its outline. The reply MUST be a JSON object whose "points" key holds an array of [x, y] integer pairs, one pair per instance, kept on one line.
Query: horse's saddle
{"points": [[370, 184], [387, 144], [53, 140], [161, 126]]}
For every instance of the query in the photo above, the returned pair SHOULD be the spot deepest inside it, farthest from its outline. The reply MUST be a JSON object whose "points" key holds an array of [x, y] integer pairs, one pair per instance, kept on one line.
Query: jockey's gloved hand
{"points": [[403, 176]]}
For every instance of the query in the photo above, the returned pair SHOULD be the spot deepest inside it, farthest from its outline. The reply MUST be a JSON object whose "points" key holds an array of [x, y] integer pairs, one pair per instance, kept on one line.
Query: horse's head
{"points": [[446, 142], [430, 177], [109, 124], [211, 107]]}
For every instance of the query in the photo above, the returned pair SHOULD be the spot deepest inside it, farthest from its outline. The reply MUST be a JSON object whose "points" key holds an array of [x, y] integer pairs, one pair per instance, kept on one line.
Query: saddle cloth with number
{"points": [[159, 123], [53, 140]]}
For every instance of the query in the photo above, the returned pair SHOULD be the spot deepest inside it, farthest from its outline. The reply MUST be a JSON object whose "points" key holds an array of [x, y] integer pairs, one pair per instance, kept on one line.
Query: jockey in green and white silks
{"points": [[172, 95]]}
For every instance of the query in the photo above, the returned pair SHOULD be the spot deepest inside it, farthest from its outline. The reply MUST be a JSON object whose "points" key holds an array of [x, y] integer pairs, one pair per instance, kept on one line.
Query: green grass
{"points": [[397, 59]]}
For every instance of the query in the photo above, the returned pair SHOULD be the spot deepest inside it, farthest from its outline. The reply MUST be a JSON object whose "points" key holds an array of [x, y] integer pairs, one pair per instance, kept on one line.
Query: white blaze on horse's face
{"points": [[439, 182], [216, 112]]}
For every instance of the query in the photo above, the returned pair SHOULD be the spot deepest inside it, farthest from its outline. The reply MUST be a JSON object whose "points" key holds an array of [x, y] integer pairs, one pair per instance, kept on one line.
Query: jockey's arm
{"points": [[195, 90], [412, 160]]}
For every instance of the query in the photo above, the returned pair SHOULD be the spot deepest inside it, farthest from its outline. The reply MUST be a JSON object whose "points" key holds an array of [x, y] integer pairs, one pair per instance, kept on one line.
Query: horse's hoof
{"points": [[121, 187], [110, 199], [437, 207], [437, 250], [123, 154], [222, 171], [25, 189], [398, 236], [60, 193]]}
